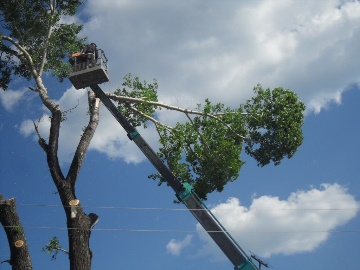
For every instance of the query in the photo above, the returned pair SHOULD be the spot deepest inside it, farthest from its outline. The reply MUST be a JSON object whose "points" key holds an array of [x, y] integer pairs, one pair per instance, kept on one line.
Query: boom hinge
{"points": [[185, 193]]}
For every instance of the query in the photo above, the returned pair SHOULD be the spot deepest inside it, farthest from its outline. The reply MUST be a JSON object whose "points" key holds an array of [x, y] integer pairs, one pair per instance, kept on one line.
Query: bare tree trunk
{"points": [[79, 230], [79, 224], [19, 252], [79, 227]]}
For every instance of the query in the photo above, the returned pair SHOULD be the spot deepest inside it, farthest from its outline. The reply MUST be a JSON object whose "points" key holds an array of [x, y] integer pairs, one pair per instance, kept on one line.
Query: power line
{"points": [[180, 231], [185, 209]]}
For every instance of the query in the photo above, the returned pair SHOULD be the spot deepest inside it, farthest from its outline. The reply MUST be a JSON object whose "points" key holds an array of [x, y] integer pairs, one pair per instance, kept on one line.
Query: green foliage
{"points": [[138, 89], [53, 247], [5, 74], [63, 42], [36, 38], [206, 150], [274, 125]]}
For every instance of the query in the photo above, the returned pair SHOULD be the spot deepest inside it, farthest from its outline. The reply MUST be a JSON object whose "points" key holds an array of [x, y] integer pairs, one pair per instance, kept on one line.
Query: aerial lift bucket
{"points": [[84, 73]]}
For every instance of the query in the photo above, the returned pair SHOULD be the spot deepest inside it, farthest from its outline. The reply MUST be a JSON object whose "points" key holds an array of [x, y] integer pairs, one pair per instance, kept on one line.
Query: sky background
{"points": [[302, 214]]}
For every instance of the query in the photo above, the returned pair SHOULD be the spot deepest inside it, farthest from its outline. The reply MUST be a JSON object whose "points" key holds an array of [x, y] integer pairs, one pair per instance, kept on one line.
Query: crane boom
{"points": [[183, 191]]}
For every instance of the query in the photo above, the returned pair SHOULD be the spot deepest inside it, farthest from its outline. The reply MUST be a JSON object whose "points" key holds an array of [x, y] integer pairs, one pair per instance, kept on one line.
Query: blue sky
{"points": [[300, 214]]}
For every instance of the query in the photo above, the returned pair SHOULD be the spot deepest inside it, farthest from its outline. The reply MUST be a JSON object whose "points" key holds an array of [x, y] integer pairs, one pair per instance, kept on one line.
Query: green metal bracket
{"points": [[247, 265], [133, 134], [185, 193]]}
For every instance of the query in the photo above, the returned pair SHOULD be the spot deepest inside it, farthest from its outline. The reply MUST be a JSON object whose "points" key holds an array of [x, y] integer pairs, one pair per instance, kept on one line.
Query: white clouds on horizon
{"points": [[271, 226]]}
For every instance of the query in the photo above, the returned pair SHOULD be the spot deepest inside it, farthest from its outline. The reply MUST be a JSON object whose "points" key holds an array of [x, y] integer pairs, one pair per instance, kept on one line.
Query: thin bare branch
{"points": [[159, 104], [62, 250], [150, 118], [34, 89], [85, 139], [41, 141], [174, 108]]}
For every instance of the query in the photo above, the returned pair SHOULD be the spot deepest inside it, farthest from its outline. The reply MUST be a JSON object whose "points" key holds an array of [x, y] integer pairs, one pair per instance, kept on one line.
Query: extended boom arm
{"points": [[184, 192]]}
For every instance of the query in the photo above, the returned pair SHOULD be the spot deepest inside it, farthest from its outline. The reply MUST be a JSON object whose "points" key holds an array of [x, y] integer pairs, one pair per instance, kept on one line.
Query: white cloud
{"points": [[74, 103], [10, 98], [109, 138], [27, 128], [211, 49], [322, 100], [174, 247], [221, 50], [271, 226]]}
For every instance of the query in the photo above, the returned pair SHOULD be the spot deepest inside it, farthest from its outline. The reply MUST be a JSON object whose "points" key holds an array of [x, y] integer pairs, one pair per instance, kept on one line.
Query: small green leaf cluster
{"points": [[52, 247], [134, 88], [274, 125], [17, 229]]}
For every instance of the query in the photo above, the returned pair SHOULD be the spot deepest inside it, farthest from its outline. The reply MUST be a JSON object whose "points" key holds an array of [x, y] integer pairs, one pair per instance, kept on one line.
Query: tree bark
{"points": [[19, 252], [79, 230]]}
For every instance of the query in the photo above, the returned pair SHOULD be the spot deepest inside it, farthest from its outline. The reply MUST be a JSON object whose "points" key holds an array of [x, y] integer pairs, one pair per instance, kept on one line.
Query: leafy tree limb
{"points": [[205, 151]]}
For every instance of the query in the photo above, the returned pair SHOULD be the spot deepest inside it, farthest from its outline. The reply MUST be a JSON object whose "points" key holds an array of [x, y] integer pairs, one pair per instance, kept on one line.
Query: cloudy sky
{"points": [[300, 214]]}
